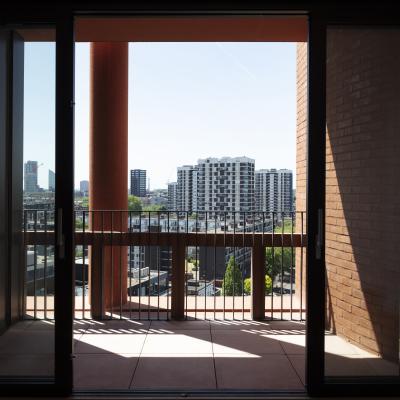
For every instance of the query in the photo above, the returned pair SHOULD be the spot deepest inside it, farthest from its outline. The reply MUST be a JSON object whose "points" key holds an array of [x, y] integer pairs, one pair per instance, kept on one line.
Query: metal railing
{"points": [[172, 264]]}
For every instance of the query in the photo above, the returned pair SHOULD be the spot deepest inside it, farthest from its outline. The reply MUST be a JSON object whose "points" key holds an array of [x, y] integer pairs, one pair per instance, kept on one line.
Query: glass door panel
{"points": [[362, 220], [27, 326]]}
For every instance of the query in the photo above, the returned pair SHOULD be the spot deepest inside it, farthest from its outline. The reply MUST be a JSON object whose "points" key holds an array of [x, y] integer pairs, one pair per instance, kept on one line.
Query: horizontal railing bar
{"points": [[238, 239]]}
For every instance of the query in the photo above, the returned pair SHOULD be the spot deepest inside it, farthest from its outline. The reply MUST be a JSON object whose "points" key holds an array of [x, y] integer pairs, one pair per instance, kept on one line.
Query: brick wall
{"points": [[362, 186], [301, 159]]}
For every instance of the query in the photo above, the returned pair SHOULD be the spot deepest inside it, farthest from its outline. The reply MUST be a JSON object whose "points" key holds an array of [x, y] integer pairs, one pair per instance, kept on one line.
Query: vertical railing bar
{"points": [[34, 266], [291, 268], [186, 264], [197, 268], [205, 275], [120, 263], [301, 268], [262, 239], [112, 265], [282, 250], [273, 264], [140, 266], [102, 254], [83, 263], [215, 259], [24, 290], [130, 266], [223, 281], [169, 266], [45, 266], [158, 265], [234, 264], [242, 269], [150, 259], [91, 216]]}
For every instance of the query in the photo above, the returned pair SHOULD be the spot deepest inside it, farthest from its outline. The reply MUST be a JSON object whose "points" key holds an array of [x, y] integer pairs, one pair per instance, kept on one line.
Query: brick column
{"points": [[108, 188]]}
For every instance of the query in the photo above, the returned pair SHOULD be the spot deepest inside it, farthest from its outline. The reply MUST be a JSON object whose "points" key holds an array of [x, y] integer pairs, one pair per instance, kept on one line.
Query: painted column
{"points": [[108, 183]]}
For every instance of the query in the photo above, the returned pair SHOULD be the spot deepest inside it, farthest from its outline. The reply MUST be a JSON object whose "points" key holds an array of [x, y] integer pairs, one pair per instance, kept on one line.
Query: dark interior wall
{"points": [[363, 187], [3, 191]]}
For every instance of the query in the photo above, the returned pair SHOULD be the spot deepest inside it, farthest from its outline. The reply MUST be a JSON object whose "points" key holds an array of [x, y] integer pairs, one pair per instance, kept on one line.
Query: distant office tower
{"points": [[185, 188], [52, 181], [84, 187], [172, 196], [225, 184], [138, 182], [31, 177], [274, 190]]}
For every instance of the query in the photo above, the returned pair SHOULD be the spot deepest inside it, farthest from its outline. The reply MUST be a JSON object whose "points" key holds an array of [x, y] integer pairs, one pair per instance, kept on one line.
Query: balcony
{"points": [[152, 300]]}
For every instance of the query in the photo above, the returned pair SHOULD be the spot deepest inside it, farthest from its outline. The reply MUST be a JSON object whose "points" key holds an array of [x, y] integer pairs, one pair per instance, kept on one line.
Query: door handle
{"points": [[60, 235], [320, 235]]}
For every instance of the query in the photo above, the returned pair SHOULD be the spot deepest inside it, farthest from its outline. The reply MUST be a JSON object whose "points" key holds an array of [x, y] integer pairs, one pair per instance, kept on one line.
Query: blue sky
{"points": [[186, 101]]}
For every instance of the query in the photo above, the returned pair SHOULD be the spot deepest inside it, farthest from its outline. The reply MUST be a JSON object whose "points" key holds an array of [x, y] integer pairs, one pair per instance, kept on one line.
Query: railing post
{"points": [[178, 279], [258, 280], [96, 279]]}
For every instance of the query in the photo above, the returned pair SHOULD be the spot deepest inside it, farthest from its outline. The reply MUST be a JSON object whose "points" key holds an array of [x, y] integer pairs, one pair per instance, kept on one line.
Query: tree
{"points": [[268, 285], [274, 261], [134, 203], [232, 283], [154, 207]]}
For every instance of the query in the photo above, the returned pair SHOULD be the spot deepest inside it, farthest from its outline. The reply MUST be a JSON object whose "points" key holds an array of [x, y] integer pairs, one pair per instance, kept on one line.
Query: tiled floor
{"points": [[183, 355]]}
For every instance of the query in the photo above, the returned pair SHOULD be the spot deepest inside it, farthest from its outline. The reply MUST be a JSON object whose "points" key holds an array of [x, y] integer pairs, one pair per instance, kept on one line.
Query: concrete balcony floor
{"points": [[182, 355]]}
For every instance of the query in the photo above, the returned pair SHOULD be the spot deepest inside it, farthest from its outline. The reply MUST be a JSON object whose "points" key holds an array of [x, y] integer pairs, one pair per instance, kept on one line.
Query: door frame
{"points": [[319, 19], [317, 383], [61, 382]]}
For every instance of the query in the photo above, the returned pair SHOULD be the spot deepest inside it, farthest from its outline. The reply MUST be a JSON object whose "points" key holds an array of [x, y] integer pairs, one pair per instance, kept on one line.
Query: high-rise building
{"points": [[185, 186], [172, 196], [274, 190], [84, 188], [225, 184], [138, 182], [31, 177], [52, 181]]}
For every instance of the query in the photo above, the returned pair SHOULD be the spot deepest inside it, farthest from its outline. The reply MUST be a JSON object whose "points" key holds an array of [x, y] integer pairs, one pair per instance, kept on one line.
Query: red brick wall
{"points": [[362, 185], [301, 160]]}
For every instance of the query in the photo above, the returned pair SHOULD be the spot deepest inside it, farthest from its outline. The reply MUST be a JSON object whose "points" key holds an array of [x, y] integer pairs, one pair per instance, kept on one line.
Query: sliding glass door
{"points": [[35, 328], [354, 220]]}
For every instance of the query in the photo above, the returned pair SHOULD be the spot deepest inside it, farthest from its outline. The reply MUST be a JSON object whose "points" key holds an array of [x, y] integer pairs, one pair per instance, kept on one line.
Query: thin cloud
{"points": [[236, 61]]}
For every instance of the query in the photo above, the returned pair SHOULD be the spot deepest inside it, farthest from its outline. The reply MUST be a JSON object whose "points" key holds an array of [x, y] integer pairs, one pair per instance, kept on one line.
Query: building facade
{"points": [[187, 182], [31, 177], [172, 196], [274, 190], [138, 182], [84, 187], [226, 184], [52, 181]]}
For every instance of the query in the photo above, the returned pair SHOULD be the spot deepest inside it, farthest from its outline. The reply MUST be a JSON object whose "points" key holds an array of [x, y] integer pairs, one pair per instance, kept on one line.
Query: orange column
{"points": [[108, 188]]}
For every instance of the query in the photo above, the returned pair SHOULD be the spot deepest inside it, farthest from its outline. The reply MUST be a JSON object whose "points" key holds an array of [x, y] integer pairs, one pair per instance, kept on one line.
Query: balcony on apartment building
{"points": [[156, 295]]}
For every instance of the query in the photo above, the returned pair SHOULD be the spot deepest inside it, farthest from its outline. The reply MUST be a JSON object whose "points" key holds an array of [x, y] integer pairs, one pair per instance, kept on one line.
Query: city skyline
{"points": [[186, 101]]}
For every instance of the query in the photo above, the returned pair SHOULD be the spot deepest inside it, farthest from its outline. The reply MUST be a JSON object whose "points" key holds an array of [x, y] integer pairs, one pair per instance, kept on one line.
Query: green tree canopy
{"points": [[268, 285], [274, 260], [233, 280], [134, 203], [154, 207]]}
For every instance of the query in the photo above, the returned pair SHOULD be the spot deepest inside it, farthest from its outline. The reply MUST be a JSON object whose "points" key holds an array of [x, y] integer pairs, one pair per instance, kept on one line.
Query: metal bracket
{"points": [[320, 235], [60, 235]]}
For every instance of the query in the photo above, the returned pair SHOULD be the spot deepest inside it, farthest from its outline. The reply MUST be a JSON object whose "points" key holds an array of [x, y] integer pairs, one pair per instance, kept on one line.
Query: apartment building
{"points": [[274, 190], [138, 182], [226, 184], [172, 196], [31, 177], [187, 174]]}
